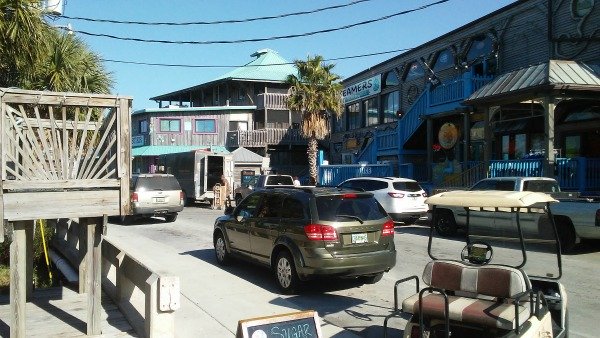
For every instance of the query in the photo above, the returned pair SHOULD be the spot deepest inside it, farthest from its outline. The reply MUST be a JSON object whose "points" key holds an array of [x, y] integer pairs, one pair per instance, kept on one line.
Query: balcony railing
{"points": [[264, 137], [271, 101]]}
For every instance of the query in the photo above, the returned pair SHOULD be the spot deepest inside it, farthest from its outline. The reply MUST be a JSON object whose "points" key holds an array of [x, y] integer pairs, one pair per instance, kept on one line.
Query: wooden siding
{"points": [[190, 137]]}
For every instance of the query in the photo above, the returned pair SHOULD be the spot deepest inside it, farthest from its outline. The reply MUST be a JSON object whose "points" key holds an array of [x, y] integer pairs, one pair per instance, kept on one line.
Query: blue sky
{"points": [[142, 82]]}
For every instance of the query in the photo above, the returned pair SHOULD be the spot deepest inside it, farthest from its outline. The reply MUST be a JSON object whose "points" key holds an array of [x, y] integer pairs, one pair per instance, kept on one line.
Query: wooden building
{"points": [[243, 108], [517, 88]]}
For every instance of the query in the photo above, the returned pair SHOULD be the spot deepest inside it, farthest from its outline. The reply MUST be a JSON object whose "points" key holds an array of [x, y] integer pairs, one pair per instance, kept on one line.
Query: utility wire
{"points": [[214, 22], [262, 39], [268, 65]]}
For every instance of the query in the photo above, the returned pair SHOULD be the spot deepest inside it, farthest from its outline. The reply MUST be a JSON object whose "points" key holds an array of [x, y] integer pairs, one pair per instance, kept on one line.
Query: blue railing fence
{"points": [[331, 175]]}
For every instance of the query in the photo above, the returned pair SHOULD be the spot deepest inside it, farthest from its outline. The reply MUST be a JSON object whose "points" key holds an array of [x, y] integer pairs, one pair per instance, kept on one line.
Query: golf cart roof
{"points": [[489, 198]]}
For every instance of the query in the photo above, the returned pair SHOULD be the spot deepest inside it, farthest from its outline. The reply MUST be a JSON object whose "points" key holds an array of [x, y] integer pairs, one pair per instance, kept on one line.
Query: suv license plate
{"points": [[159, 200], [359, 238]]}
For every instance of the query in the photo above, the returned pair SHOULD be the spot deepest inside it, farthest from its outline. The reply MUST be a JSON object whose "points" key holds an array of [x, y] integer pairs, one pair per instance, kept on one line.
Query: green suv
{"points": [[301, 233]]}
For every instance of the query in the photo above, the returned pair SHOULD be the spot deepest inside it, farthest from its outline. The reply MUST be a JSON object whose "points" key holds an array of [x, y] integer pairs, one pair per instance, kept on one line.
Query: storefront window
{"points": [[514, 146], [573, 146], [391, 105], [372, 111], [353, 114], [520, 146]]}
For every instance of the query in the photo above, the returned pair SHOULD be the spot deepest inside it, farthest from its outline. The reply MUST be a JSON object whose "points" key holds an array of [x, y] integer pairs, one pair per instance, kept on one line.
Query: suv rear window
{"points": [[407, 186], [364, 207], [279, 180], [157, 183]]}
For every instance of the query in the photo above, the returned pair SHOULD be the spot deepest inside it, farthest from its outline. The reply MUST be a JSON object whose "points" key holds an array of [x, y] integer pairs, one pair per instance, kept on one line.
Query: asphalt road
{"points": [[362, 308]]}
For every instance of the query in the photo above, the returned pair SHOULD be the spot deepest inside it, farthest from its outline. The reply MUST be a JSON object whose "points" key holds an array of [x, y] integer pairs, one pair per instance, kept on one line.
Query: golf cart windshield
{"points": [[507, 228]]}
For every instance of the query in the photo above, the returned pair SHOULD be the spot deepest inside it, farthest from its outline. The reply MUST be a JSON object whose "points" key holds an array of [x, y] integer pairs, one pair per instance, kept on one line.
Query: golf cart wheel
{"points": [[221, 253], [285, 273], [445, 225]]}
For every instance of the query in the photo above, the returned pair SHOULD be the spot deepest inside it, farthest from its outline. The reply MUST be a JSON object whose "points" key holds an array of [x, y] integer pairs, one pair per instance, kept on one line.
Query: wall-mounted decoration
{"points": [[448, 135]]}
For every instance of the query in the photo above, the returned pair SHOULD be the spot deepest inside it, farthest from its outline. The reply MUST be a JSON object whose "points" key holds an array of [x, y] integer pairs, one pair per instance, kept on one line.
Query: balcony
{"points": [[264, 137], [271, 101]]}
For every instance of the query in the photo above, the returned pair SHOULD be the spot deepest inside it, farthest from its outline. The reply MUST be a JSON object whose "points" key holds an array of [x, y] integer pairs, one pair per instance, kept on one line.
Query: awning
{"points": [[162, 150], [551, 74]]}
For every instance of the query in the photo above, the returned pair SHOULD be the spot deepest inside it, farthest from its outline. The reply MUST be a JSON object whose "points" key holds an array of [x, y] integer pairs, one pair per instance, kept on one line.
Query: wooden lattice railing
{"points": [[53, 143]]}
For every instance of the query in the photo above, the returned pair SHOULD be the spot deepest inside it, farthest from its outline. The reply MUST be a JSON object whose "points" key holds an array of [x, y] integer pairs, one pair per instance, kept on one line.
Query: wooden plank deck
{"points": [[62, 312]]}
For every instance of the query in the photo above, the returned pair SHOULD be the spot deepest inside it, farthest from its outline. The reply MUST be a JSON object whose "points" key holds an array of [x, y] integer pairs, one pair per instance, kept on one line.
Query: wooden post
{"points": [[82, 235], [29, 225], [18, 280], [93, 259]]}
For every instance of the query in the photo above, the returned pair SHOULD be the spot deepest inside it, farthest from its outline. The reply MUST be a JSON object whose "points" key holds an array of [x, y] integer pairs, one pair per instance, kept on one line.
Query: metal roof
{"points": [[243, 155], [268, 66], [162, 150], [548, 74]]}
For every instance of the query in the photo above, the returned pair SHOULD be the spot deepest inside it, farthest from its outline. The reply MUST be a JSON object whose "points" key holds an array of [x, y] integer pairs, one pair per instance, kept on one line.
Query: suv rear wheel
{"points": [[445, 225], [171, 218], [285, 273]]}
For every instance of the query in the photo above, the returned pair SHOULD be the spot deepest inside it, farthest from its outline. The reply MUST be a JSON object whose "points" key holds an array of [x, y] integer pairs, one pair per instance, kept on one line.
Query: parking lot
{"points": [[359, 308]]}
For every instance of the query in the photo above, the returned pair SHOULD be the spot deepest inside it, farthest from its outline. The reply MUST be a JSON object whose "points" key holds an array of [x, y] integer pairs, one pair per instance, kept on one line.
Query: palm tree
{"points": [[23, 34], [316, 93], [34, 55]]}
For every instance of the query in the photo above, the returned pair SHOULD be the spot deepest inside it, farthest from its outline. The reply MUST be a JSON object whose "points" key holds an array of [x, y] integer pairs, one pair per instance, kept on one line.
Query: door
{"points": [[238, 227], [264, 226]]}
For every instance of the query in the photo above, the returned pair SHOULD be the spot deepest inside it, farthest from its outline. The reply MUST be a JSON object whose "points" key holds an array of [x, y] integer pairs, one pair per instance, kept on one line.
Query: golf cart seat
{"points": [[478, 295]]}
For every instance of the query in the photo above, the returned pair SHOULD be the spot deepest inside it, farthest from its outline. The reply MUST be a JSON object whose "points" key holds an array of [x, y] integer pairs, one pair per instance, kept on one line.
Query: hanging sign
{"points": [[304, 324], [368, 87]]}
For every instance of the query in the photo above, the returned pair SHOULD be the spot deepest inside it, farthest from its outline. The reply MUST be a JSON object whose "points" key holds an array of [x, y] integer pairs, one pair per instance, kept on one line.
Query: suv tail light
{"points": [[388, 228], [396, 194], [415, 332], [349, 195], [319, 232], [134, 197], [181, 197]]}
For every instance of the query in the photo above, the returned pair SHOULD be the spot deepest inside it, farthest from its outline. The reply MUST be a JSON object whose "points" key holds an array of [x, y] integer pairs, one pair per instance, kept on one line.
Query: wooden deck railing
{"points": [[264, 137], [128, 282], [272, 101]]}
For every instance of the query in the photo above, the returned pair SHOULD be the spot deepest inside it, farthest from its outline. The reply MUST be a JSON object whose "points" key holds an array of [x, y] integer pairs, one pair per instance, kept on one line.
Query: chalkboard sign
{"points": [[304, 324]]}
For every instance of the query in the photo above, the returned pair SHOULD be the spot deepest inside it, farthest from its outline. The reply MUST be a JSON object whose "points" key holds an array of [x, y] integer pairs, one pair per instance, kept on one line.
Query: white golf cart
{"points": [[506, 281]]}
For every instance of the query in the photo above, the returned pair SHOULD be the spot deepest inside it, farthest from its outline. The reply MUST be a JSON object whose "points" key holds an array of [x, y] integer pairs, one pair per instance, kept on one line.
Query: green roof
{"points": [[162, 150], [268, 66]]}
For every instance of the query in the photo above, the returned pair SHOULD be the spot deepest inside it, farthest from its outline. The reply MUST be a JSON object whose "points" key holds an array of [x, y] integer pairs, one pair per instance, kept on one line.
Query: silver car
{"points": [[402, 198], [155, 195]]}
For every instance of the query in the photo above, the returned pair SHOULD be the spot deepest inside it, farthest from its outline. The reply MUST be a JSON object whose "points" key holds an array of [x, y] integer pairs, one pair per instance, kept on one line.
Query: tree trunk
{"points": [[312, 158]]}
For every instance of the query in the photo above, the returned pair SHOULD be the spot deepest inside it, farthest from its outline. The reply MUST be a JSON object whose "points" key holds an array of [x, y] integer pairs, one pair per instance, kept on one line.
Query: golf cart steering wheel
{"points": [[477, 252]]}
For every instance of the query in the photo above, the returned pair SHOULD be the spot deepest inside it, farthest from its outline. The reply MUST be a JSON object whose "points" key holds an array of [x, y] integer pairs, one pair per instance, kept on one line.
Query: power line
{"points": [[230, 66], [217, 21], [329, 30]]}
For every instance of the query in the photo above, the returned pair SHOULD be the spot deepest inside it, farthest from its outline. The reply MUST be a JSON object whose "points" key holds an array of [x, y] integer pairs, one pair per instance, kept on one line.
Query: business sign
{"points": [[297, 324], [137, 141], [368, 87]]}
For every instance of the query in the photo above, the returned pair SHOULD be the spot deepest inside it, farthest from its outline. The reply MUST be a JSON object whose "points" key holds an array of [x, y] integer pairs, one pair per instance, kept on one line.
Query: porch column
{"points": [[549, 161], [429, 148], [488, 137], [93, 229]]}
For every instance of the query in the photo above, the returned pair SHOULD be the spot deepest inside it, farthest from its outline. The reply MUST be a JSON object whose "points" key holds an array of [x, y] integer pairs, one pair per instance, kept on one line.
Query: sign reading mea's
{"points": [[303, 324]]}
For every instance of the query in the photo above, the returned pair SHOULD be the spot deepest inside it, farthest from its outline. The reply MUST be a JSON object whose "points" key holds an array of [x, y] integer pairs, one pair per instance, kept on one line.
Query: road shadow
{"points": [[587, 246]]}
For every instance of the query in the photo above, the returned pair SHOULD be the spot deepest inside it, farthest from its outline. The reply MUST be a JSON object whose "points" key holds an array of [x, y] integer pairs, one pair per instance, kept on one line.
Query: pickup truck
{"points": [[260, 182], [576, 218]]}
